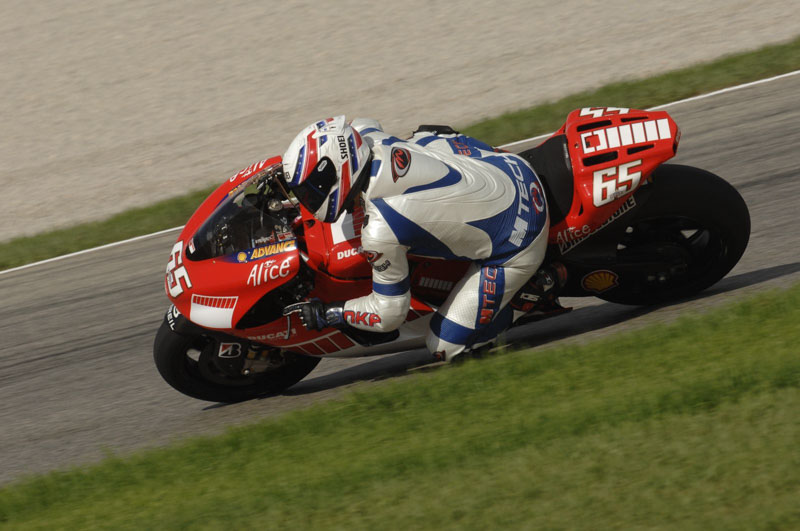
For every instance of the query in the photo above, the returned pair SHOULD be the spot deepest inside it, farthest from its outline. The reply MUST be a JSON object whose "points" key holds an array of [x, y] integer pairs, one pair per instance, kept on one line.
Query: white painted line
{"points": [[106, 246], [725, 90], [531, 139], [504, 146], [670, 104]]}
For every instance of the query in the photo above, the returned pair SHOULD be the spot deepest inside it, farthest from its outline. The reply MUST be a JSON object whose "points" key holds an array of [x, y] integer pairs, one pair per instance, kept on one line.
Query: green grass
{"points": [[672, 86], [691, 425]]}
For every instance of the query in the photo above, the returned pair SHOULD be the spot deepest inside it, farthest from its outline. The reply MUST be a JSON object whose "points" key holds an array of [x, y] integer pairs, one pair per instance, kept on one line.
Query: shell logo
{"points": [[241, 257], [600, 281]]}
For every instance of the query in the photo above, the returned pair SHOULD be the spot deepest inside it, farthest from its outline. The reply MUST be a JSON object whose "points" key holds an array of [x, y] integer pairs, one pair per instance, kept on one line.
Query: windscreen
{"points": [[250, 216]]}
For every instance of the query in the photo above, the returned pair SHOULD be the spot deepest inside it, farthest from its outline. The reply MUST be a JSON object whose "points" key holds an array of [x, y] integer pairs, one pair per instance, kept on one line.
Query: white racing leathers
{"points": [[452, 197]]}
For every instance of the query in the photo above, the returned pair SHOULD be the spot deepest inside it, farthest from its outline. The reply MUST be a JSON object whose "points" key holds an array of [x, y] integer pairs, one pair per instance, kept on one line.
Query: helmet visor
{"points": [[316, 188]]}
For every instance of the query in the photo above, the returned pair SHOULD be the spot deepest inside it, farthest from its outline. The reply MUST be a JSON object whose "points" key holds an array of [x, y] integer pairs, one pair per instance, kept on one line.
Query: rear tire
{"points": [[183, 360], [693, 214]]}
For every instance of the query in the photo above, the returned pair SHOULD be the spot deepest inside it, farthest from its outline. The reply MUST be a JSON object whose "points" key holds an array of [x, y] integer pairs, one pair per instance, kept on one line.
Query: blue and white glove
{"points": [[317, 315]]}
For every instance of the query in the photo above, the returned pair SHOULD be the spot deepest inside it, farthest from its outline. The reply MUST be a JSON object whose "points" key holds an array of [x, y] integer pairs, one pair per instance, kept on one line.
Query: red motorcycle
{"points": [[624, 227]]}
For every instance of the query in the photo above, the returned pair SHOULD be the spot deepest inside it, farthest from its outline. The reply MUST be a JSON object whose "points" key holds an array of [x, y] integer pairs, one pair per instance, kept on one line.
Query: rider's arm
{"points": [[386, 307]]}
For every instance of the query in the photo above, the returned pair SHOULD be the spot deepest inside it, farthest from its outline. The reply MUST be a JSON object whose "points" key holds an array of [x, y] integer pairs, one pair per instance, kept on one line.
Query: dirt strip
{"points": [[111, 104]]}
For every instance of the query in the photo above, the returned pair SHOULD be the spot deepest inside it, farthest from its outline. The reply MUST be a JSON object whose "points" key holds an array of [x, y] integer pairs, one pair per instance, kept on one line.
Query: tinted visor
{"points": [[313, 192]]}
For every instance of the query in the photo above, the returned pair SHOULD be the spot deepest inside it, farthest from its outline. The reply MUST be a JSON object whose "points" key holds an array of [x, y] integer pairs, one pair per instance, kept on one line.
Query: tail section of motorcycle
{"points": [[628, 227]]}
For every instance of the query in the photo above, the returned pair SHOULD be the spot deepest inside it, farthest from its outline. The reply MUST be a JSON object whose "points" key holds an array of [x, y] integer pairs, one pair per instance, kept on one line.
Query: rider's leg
{"points": [[477, 308]]}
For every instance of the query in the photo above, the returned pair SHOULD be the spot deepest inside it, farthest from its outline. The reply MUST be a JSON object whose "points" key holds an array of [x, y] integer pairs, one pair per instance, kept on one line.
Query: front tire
{"points": [[694, 222], [185, 361]]}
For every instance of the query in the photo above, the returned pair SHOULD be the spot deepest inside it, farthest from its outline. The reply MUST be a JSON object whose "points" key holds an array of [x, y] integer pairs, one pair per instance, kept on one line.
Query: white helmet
{"points": [[325, 166]]}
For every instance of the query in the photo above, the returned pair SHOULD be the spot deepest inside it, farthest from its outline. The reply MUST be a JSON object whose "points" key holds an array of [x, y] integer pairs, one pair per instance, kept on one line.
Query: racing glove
{"points": [[317, 315]]}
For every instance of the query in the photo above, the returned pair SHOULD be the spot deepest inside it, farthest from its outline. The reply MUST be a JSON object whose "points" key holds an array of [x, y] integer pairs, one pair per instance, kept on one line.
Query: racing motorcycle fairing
{"points": [[236, 247], [611, 151]]}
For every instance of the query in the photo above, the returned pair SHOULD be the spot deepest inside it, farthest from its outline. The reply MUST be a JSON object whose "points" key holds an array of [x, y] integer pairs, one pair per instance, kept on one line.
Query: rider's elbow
{"points": [[393, 315]]}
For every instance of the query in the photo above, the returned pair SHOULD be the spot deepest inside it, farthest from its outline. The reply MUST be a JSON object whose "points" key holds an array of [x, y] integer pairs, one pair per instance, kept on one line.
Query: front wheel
{"points": [[688, 235], [188, 362]]}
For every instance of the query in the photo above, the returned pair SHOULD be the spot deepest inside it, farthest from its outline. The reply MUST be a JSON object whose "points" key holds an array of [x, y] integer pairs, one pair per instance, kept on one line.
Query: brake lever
{"points": [[293, 308]]}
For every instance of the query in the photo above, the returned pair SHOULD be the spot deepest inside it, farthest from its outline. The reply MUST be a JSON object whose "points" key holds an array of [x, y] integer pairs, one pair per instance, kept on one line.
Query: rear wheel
{"points": [[689, 234], [188, 362]]}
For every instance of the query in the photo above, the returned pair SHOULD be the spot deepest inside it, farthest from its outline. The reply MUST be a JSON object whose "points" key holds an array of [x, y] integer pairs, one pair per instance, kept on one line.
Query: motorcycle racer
{"points": [[437, 194]]}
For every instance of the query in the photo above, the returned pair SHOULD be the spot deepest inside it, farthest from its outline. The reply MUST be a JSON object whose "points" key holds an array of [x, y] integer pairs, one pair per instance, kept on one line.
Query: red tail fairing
{"points": [[612, 152]]}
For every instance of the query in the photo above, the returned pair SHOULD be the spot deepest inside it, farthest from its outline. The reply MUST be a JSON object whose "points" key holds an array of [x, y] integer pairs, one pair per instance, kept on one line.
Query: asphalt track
{"points": [[76, 374]]}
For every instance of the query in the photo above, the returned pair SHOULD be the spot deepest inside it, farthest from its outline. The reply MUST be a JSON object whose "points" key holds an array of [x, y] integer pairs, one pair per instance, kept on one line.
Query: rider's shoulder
{"points": [[366, 125]]}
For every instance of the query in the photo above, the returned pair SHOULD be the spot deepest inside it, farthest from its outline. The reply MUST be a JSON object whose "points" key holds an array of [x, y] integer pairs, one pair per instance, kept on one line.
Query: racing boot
{"points": [[538, 298]]}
